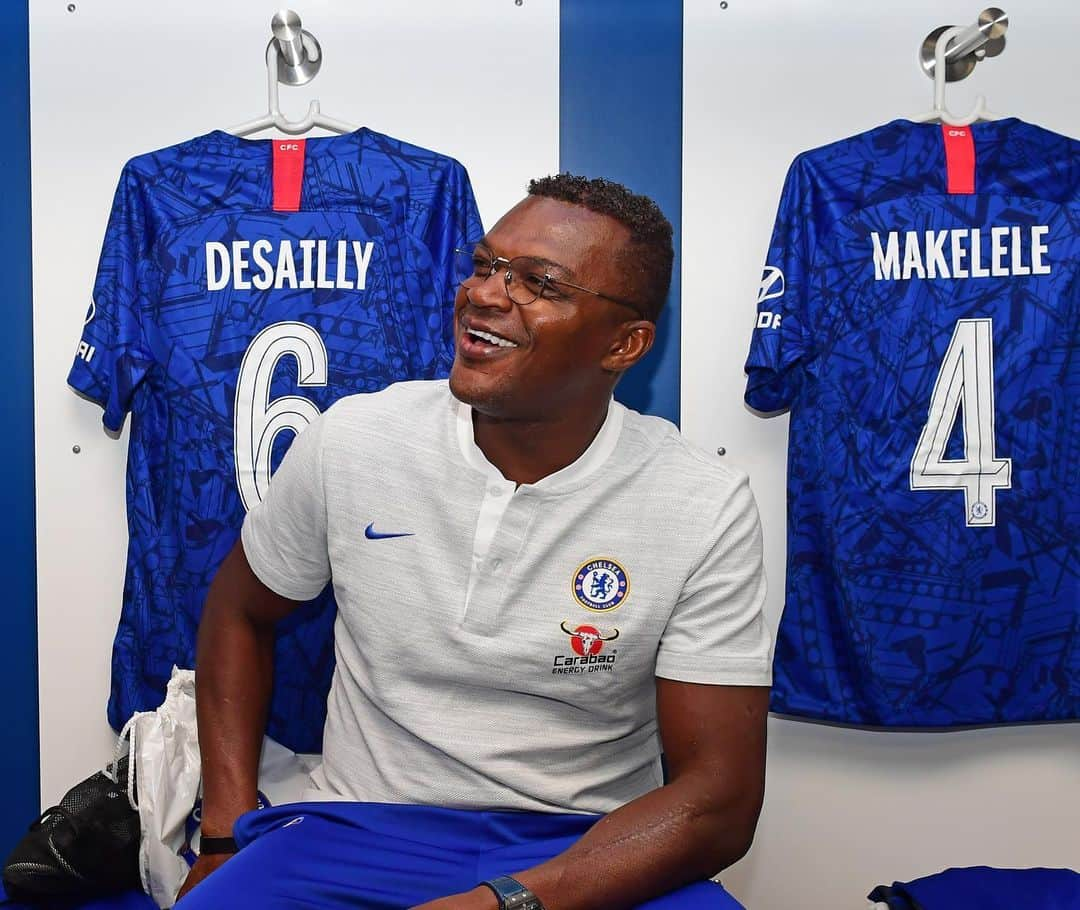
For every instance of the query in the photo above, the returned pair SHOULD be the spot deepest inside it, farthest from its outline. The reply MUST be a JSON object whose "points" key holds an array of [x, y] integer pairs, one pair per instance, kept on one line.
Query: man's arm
{"points": [[233, 676], [701, 821], [283, 540]]}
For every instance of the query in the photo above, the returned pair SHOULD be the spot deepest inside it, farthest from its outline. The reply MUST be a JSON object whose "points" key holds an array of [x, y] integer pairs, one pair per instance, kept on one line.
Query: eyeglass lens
{"points": [[528, 276]]}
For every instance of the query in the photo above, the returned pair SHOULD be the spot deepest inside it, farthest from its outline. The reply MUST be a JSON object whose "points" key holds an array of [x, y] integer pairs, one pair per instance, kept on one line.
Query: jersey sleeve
{"points": [[454, 223], [716, 634], [112, 358], [779, 345], [284, 536]]}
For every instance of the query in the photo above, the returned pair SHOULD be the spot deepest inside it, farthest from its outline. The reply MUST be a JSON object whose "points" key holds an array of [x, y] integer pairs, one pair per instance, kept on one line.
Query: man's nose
{"points": [[491, 291]]}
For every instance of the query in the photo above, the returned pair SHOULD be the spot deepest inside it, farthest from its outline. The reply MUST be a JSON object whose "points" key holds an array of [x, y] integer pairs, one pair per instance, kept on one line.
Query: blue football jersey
{"points": [[244, 285], [918, 315]]}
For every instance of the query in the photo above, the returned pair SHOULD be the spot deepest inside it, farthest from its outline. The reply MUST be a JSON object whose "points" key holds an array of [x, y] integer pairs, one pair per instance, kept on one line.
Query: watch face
{"points": [[523, 900], [513, 895]]}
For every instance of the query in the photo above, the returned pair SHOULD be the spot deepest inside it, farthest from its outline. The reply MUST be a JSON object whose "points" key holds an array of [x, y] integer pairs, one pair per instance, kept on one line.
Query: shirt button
{"points": [[496, 564], [496, 491]]}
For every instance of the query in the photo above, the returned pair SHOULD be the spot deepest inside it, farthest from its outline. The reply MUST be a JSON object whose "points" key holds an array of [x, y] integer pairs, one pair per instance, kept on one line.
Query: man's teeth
{"points": [[492, 339]]}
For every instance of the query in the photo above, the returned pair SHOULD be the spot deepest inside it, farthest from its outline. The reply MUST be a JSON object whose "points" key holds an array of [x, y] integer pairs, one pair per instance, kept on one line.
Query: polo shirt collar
{"points": [[573, 475]]}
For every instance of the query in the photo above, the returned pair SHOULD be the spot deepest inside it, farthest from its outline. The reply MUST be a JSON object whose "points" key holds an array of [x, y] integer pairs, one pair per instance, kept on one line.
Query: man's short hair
{"points": [[647, 258]]}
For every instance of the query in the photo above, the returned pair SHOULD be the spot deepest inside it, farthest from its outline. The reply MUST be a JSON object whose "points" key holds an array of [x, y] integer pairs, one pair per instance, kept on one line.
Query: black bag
{"points": [[88, 846]]}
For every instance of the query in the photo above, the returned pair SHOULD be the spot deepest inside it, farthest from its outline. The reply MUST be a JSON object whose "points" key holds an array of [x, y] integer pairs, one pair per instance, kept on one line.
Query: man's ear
{"points": [[633, 341]]}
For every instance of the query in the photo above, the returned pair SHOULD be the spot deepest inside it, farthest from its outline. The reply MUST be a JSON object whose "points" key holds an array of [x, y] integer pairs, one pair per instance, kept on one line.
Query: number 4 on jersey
{"points": [[966, 377]]}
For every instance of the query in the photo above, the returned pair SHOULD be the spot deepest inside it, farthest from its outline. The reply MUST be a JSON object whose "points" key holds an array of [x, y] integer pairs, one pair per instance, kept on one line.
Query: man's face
{"points": [[560, 344]]}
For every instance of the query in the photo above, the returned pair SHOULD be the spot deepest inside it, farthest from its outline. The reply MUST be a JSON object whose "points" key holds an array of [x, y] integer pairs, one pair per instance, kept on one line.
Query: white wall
{"points": [[763, 80], [474, 79]]}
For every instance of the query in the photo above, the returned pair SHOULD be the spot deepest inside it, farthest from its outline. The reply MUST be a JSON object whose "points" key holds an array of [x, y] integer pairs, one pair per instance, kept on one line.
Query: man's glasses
{"points": [[525, 278]]}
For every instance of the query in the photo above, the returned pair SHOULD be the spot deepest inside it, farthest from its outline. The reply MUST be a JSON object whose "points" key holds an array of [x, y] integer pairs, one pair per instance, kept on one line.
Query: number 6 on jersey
{"points": [[257, 420], [966, 377]]}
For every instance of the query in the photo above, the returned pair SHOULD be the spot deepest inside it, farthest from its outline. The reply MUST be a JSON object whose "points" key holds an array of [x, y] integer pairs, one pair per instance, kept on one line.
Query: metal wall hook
{"points": [[299, 55], [293, 57], [960, 48], [969, 45]]}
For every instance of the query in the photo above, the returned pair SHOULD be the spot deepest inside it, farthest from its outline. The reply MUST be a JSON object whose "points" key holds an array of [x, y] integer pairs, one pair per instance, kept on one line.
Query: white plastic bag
{"points": [[164, 753], [163, 748]]}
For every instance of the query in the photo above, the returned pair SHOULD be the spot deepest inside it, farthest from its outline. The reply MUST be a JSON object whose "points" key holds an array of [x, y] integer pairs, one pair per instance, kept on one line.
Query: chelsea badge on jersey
{"points": [[601, 584]]}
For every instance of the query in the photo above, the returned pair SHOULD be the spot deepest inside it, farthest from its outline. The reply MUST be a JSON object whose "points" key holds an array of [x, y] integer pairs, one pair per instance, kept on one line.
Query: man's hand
{"points": [[480, 898], [204, 865]]}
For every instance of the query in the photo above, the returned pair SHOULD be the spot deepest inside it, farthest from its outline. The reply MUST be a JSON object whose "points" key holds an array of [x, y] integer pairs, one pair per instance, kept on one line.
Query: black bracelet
{"points": [[214, 846], [512, 894]]}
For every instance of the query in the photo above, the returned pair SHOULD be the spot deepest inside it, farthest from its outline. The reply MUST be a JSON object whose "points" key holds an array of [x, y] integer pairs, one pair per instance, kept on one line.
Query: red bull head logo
{"points": [[586, 640]]}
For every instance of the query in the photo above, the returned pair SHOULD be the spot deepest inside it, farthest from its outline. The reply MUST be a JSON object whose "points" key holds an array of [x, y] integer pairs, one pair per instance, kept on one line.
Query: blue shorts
{"points": [[389, 857]]}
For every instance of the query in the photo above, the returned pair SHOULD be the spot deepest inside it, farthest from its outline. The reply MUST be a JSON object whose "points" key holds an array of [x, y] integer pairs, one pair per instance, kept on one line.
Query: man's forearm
{"points": [[234, 673], [660, 841]]}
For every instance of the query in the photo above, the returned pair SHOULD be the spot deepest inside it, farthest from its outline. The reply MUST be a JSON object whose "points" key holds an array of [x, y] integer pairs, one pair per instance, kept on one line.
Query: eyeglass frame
{"points": [[498, 262]]}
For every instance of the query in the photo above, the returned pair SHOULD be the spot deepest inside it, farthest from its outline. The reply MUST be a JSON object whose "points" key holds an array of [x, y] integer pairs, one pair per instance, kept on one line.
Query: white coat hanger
{"points": [[293, 56], [955, 48]]}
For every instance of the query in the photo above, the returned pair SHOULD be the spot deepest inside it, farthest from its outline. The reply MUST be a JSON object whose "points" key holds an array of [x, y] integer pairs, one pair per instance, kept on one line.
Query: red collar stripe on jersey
{"points": [[959, 158], [288, 170]]}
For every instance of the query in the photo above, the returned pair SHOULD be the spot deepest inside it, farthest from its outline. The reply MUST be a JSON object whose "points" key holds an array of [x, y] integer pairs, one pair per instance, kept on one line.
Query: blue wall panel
{"points": [[621, 117], [19, 766]]}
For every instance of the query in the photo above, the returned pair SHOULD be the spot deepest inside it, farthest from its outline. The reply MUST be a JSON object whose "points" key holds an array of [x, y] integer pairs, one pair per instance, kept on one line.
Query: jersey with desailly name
{"points": [[245, 285], [919, 316]]}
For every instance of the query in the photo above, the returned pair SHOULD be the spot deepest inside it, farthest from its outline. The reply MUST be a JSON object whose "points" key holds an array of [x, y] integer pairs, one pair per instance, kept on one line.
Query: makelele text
{"points": [[961, 253]]}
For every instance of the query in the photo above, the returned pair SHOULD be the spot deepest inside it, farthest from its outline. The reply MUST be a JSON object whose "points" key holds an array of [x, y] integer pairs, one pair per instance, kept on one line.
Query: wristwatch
{"points": [[213, 846], [512, 894]]}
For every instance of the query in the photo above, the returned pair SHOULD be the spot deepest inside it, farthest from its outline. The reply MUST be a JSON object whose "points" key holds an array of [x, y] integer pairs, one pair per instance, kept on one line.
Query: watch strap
{"points": [[211, 846], [512, 894]]}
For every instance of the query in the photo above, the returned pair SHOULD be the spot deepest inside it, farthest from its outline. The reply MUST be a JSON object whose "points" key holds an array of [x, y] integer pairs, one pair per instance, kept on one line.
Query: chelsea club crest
{"points": [[601, 585]]}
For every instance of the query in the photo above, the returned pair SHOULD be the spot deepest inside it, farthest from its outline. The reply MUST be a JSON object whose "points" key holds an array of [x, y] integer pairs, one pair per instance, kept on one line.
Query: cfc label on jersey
{"points": [[244, 264], [1002, 252]]}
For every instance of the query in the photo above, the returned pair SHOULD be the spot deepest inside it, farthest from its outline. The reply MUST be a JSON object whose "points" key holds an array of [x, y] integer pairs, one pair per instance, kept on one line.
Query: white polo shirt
{"points": [[497, 645]]}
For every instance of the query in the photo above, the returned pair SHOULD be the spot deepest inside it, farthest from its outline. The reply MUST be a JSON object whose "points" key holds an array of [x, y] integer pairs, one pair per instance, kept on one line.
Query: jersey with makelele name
{"points": [[919, 316], [244, 286]]}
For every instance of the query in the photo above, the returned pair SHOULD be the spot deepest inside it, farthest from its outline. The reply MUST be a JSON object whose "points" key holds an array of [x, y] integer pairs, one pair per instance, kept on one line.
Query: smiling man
{"points": [[539, 590]]}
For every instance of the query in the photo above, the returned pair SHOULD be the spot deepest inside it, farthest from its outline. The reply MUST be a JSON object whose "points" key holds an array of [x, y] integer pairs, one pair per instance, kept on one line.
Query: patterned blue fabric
{"points": [[224, 327], [927, 347]]}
